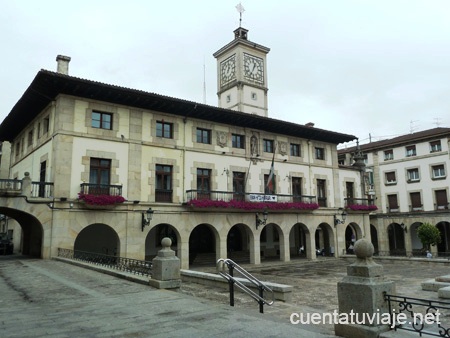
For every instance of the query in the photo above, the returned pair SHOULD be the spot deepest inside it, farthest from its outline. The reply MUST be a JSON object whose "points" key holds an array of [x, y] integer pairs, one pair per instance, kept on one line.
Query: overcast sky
{"points": [[361, 67]]}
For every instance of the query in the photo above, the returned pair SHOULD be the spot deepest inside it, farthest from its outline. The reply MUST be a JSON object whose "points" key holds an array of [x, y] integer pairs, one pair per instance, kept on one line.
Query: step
{"points": [[433, 285], [444, 292]]}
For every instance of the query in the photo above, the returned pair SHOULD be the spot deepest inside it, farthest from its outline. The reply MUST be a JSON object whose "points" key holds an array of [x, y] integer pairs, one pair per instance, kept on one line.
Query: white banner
{"points": [[262, 198]]}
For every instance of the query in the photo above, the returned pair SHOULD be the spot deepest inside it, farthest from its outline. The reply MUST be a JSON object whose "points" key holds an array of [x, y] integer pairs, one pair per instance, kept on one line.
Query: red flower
{"points": [[361, 207]]}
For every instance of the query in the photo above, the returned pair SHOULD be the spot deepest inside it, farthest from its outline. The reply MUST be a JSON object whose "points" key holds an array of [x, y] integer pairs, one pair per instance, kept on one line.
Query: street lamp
{"points": [[146, 218], [340, 221], [261, 221]]}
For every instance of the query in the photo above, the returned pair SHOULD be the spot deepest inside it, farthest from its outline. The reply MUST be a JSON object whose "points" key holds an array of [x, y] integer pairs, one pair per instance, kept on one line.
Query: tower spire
{"points": [[241, 10]]}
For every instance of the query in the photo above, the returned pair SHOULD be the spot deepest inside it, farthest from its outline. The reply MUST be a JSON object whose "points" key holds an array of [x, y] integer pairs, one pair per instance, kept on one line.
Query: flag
{"points": [[271, 180]]}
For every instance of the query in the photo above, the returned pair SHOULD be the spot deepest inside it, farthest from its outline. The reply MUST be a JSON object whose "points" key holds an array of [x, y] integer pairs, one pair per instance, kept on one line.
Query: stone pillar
{"points": [[166, 268], [361, 294], [26, 185]]}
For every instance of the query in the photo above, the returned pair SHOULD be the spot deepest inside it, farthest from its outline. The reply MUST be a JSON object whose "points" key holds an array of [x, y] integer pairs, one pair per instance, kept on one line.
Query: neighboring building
{"points": [[5, 154], [201, 169], [408, 178]]}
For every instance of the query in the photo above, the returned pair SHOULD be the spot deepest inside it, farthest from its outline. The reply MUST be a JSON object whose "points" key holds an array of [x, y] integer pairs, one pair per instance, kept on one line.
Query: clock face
{"points": [[253, 68], [228, 70]]}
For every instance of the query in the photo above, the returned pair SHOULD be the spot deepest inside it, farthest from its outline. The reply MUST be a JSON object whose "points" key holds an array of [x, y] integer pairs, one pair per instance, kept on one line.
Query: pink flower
{"points": [[244, 205], [100, 199], [361, 207]]}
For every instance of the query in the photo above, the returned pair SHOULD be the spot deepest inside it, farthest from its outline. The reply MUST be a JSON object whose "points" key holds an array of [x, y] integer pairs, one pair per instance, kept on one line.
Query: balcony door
{"points": [[297, 189], [238, 186], [349, 188], [163, 191], [203, 184], [321, 193], [99, 176], [42, 174]]}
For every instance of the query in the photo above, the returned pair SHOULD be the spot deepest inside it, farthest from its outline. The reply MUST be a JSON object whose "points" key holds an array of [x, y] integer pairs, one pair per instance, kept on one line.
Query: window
{"points": [[341, 159], [413, 175], [441, 199], [321, 193], [238, 186], [228, 98], [388, 155], [99, 176], [268, 146], [203, 184], [297, 189], [320, 153], [435, 146], [163, 192], [238, 141], [254, 97], [438, 171], [17, 148], [295, 150], [410, 151], [390, 177], [392, 203], [30, 138], [39, 130], [46, 124], [164, 129], [101, 120], [269, 185], [416, 203], [203, 136]]}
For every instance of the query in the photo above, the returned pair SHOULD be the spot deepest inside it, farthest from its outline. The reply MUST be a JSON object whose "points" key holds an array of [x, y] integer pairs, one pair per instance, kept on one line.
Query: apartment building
{"points": [[112, 170], [408, 178]]}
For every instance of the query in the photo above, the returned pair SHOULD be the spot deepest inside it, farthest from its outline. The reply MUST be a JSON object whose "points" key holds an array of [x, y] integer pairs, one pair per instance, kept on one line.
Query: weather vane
{"points": [[241, 10]]}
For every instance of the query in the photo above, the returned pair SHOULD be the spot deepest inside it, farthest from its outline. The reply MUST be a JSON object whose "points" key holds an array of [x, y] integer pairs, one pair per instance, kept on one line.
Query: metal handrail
{"points": [[222, 262]]}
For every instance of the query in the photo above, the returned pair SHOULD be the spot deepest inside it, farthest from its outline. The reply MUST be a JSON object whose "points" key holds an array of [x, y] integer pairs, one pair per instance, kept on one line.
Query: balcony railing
{"points": [[9, 185], [358, 201], [163, 196], [442, 206], [42, 189], [227, 196], [101, 189]]}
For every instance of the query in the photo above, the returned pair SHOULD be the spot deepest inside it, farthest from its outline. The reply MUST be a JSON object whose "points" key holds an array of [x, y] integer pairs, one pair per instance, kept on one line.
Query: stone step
{"points": [[433, 285], [444, 279], [444, 292]]}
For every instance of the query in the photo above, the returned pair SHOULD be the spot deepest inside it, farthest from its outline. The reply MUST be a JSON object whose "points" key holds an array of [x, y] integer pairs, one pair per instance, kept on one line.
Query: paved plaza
{"points": [[48, 298]]}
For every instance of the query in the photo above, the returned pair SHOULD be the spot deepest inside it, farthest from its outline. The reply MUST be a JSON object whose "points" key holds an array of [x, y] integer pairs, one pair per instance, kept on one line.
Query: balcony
{"points": [[249, 201], [10, 187], [100, 189], [442, 206], [360, 204]]}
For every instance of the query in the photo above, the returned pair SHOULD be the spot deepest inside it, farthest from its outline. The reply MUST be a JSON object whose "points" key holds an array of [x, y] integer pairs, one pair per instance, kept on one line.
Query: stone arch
{"points": [[299, 239], [240, 242], [374, 238], [444, 247], [154, 237], [353, 232], [98, 238], [271, 239], [416, 244], [396, 237], [32, 232], [324, 239], [203, 245]]}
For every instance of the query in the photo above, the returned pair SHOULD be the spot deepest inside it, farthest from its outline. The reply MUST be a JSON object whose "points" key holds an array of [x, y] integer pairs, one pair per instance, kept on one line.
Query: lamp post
{"points": [[147, 217]]}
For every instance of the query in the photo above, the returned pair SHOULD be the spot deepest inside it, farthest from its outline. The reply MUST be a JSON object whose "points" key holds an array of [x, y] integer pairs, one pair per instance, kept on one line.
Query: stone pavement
{"points": [[48, 298]]}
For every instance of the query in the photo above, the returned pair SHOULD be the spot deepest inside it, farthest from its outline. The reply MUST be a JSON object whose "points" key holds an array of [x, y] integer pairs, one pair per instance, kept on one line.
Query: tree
{"points": [[428, 235]]}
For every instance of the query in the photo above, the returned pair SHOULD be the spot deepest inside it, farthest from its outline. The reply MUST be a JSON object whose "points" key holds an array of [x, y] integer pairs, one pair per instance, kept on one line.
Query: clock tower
{"points": [[242, 75]]}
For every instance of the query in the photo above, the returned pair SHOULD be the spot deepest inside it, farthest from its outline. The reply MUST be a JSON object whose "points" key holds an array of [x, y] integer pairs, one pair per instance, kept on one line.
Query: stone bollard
{"points": [[361, 294], [166, 268]]}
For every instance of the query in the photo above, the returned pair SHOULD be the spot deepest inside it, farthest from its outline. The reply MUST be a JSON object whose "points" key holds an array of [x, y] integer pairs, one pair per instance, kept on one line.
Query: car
{"points": [[6, 245]]}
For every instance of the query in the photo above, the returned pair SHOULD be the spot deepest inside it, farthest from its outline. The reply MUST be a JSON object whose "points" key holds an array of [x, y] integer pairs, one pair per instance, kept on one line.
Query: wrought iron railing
{"points": [[442, 206], [42, 189], [358, 201], [10, 185], [423, 316], [101, 189], [227, 196], [130, 265]]}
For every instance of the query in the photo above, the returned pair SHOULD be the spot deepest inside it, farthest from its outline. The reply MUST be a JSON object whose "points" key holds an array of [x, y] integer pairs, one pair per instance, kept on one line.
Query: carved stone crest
{"points": [[282, 146], [221, 138]]}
